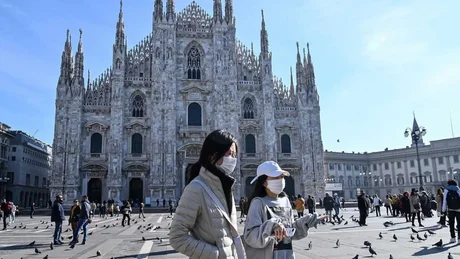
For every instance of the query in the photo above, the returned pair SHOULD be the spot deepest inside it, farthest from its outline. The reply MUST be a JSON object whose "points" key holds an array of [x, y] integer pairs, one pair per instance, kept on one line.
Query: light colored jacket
{"points": [[414, 199], [258, 231], [439, 199], [199, 229]]}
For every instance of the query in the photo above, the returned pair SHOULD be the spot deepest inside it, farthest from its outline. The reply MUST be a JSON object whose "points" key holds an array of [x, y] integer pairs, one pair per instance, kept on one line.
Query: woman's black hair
{"points": [[216, 144], [452, 182]]}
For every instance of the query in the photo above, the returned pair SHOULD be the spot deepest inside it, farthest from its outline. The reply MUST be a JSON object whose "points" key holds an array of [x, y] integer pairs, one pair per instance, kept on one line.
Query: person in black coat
{"points": [[57, 216], [328, 203], [363, 206]]}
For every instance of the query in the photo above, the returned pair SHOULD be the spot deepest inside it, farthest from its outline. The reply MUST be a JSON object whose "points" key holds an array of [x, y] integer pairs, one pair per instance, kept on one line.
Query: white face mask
{"points": [[276, 186], [228, 164]]}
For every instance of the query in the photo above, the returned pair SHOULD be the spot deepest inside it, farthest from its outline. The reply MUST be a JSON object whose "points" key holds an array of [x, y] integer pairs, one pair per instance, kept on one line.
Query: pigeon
{"points": [[90, 233], [412, 238], [62, 238], [161, 240], [450, 256], [395, 237], [70, 237], [337, 243], [414, 231], [430, 232], [425, 235], [356, 257], [419, 238], [346, 222], [310, 246], [372, 251], [143, 238], [96, 225], [46, 257], [47, 227], [391, 257], [31, 244], [380, 235], [388, 223], [67, 230], [15, 227], [51, 246], [438, 244], [37, 251], [98, 253], [367, 243]]}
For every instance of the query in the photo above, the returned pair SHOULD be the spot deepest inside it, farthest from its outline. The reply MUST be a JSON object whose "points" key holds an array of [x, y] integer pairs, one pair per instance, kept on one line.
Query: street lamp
{"points": [[365, 176], [416, 134]]}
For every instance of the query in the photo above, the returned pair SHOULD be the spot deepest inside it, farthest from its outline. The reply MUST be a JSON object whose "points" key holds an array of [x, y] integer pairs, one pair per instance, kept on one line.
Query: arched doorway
{"points": [[290, 187], [95, 190], [187, 173], [248, 186], [26, 200], [9, 196], [136, 190]]}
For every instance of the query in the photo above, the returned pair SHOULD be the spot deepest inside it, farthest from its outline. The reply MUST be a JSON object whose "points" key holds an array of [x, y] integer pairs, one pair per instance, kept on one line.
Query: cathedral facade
{"points": [[134, 131]]}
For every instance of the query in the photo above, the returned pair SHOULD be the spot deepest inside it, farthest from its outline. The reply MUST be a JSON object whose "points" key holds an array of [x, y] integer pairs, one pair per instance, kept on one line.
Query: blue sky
{"points": [[375, 61]]}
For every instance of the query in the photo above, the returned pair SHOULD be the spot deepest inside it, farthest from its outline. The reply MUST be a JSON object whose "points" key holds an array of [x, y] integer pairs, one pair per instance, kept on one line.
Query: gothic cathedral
{"points": [[133, 132]]}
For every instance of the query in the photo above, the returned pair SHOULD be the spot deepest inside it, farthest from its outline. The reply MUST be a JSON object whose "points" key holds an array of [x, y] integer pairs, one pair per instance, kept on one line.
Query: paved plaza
{"points": [[126, 242]]}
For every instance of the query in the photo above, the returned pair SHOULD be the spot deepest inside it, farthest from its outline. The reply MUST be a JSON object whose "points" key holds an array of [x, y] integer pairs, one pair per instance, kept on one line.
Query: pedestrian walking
{"points": [[32, 210], [300, 205], [141, 210], [74, 215], [451, 206], [57, 216], [83, 221], [363, 207], [377, 204], [439, 202], [126, 210]]}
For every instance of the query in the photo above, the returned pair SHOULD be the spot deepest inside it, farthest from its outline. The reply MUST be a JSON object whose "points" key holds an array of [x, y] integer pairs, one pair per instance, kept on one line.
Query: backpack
{"points": [[453, 200]]}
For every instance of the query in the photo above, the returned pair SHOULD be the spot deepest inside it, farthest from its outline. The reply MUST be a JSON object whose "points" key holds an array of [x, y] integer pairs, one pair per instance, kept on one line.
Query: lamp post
{"points": [[416, 133], [366, 175]]}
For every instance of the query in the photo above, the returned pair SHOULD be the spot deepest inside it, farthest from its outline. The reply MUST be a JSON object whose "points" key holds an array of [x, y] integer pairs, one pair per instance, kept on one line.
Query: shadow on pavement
{"points": [[433, 250]]}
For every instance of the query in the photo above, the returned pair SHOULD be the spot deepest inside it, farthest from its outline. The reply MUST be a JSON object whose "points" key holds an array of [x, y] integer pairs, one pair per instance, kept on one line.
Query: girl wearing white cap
{"points": [[270, 226]]}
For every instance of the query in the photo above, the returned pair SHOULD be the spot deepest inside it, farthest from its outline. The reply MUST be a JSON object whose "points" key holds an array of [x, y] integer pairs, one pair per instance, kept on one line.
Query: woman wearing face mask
{"points": [[270, 224], [205, 223]]}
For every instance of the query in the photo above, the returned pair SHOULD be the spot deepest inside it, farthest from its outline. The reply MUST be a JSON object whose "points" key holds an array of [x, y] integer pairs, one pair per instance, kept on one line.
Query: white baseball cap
{"points": [[269, 168]]}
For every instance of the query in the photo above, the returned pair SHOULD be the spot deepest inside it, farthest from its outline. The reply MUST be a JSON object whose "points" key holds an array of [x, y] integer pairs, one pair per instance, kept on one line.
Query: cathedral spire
{"points": [[292, 85], [88, 84], [170, 12], [158, 11], [310, 71], [217, 11], [263, 38], [299, 69], [120, 35], [79, 59], [67, 61], [228, 11]]}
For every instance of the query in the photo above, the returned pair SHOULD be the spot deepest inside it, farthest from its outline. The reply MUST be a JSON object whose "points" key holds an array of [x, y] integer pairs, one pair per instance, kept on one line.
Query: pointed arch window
{"points": [[285, 144], [250, 144], [138, 106], [193, 64], [136, 144], [96, 143], [194, 114], [248, 109]]}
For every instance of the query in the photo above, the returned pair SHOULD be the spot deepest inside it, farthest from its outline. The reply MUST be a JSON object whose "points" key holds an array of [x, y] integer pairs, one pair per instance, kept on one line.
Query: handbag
{"points": [[236, 237]]}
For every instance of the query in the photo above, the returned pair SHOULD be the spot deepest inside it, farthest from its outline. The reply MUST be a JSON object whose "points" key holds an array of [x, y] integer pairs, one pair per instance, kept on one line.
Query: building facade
{"points": [[29, 168], [5, 139], [394, 171], [134, 131]]}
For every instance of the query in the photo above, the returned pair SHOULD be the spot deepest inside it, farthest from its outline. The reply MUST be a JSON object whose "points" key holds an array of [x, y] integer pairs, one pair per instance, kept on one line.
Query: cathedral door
{"points": [[95, 190], [249, 187], [187, 173], [290, 187], [136, 190]]}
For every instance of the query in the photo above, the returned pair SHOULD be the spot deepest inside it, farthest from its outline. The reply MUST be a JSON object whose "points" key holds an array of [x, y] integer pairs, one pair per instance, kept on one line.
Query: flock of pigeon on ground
{"points": [[395, 238], [141, 228]]}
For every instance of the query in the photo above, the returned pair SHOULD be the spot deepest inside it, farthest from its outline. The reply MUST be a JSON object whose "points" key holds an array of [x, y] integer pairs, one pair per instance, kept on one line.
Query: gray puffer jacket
{"points": [[199, 229]]}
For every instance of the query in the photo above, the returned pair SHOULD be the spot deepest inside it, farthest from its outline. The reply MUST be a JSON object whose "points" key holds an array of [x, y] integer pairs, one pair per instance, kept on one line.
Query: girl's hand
{"points": [[280, 232]]}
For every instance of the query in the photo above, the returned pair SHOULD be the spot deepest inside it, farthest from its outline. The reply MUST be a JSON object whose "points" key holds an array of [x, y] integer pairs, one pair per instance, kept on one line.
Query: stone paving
{"points": [[119, 242]]}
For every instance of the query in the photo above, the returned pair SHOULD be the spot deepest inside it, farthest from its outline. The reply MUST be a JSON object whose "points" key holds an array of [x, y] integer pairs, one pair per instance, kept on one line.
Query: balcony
{"points": [[251, 156], [287, 156], [193, 131], [94, 157], [137, 157]]}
